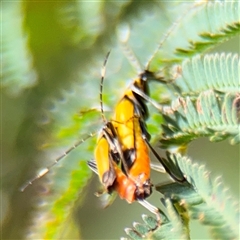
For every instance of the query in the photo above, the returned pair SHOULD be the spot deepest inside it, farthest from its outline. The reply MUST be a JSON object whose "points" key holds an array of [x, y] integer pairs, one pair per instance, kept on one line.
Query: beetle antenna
{"points": [[42, 172], [171, 29], [103, 72], [124, 33]]}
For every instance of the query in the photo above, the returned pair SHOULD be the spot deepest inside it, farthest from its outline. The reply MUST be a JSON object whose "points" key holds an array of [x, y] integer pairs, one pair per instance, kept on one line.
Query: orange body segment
{"points": [[140, 170], [124, 186]]}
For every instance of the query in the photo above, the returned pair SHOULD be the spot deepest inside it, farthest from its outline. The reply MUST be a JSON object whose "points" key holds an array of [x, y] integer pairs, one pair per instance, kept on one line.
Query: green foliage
{"points": [[214, 206], [55, 210], [200, 28], [200, 198], [52, 54], [219, 72], [210, 115]]}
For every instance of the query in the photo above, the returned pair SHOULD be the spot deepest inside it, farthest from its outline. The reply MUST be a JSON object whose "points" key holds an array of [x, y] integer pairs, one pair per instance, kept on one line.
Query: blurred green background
{"points": [[52, 53]]}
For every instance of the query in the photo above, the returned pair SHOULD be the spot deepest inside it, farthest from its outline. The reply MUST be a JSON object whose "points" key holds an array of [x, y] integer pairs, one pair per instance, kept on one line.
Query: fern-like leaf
{"points": [[210, 115], [169, 228], [206, 200], [219, 72], [203, 27]]}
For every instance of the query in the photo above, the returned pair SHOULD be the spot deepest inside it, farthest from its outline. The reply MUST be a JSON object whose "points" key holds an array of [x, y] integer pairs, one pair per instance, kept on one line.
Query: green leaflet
{"points": [[209, 115], [219, 72]]}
